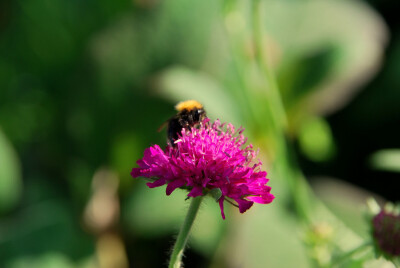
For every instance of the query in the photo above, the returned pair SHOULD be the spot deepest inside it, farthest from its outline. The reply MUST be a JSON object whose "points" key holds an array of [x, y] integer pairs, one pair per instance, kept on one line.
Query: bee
{"points": [[190, 114]]}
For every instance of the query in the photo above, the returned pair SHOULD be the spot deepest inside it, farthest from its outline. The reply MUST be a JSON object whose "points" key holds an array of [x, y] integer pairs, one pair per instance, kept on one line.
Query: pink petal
{"points": [[147, 153], [142, 164], [136, 172], [221, 206], [262, 199], [213, 155], [173, 185], [157, 183], [196, 191], [244, 205]]}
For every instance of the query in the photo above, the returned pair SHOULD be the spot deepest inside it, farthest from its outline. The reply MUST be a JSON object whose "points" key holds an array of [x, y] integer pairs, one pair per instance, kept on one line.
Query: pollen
{"points": [[188, 105]]}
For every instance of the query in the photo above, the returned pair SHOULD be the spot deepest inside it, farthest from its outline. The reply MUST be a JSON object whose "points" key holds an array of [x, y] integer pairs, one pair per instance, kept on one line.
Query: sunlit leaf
{"points": [[387, 159], [316, 140], [379, 263], [47, 260], [10, 175], [151, 213], [337, 195], [209, 227], [263, 237], [328, 55], [124, 153]]}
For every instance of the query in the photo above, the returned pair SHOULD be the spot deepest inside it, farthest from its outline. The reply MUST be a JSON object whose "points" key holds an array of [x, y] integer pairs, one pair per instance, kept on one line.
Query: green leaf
{"points": [[305, 73], [134, 47], [180, 83], [43, 227], [209, 227], [216, 193], [10, 175], [387, 160], [47, 260], [125, 150], [337, 195], [263, 237], [316, 140], [321, 49], [151, 213]]}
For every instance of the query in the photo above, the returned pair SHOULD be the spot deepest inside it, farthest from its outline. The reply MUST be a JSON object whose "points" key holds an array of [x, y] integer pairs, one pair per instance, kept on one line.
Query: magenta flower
{"points": [[211, 156], [386, 232]]}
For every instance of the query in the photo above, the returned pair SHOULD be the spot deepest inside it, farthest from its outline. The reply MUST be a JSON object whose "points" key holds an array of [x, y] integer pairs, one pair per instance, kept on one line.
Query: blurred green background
{"points": [[84, 86]]}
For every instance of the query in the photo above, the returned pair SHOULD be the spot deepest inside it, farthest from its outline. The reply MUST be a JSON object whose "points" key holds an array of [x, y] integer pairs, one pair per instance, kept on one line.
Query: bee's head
{"points": [[188, 105]]}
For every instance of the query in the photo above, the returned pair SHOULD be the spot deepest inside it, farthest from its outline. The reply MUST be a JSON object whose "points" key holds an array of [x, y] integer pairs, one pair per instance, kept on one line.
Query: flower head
{"points": [[205, 158], [386, 232]]}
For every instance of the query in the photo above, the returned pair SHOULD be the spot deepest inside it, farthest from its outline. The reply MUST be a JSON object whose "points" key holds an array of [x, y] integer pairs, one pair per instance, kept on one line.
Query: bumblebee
{"points": [[190, 114]]}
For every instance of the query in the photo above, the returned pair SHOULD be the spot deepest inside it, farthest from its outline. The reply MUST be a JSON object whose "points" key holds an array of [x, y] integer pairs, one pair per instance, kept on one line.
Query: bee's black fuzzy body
{"points": [[190, 114]]}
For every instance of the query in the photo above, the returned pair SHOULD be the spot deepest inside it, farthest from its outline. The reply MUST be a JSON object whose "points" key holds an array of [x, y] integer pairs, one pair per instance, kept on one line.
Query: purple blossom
{"points": [[211, 156], [386, 232]]}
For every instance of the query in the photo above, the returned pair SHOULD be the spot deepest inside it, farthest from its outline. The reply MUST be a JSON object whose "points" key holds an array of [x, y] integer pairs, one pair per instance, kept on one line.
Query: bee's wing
{"points": [[163, 126]]}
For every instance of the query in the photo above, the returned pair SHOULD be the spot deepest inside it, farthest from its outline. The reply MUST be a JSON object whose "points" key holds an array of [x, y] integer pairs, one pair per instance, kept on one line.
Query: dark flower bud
{"points": [[386, 233]]}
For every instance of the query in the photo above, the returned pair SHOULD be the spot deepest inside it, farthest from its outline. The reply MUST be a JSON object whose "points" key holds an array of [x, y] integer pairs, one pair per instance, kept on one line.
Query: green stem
{"points": [[288, 167], [177, 252], [277, 108], [340, 259]]}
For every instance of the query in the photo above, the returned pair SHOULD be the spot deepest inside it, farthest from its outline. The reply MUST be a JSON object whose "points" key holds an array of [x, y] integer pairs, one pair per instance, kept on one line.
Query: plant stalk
{"points": [[179, 247]]}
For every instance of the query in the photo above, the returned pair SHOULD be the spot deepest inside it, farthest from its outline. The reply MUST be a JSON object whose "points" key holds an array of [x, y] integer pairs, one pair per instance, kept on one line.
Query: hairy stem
{"points": [[179, 247]]}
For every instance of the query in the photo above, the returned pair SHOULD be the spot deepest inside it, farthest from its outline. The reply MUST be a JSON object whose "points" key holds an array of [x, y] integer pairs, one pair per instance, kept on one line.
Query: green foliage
{"points": [[388, 159], [316, 140], [85, 84], [10, 176]]}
